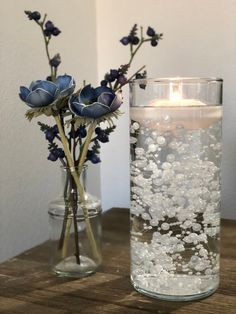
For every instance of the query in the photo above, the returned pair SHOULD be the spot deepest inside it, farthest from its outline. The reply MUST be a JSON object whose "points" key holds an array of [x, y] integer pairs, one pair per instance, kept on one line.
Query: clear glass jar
{"points": [[175, 144], [71, 252]]}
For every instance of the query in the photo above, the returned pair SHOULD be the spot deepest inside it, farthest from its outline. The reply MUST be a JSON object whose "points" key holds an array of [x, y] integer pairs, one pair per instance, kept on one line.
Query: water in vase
{"points": [[175, 200]]}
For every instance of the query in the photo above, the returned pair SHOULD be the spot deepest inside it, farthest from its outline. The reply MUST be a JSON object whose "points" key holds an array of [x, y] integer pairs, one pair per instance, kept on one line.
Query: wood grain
{"points": [[26, 286]]}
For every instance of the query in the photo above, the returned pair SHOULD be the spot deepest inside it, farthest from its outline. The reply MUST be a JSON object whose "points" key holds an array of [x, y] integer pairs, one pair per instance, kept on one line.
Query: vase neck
{"points": [[68, 182]]}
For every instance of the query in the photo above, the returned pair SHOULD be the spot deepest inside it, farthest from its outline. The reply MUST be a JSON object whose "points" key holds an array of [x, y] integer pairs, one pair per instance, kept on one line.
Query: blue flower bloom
{"points": [[95, 102], [44, 93]]}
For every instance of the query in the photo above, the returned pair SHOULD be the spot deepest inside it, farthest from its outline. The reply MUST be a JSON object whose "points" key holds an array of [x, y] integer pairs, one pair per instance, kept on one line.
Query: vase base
{"points": [[167, 297], [69, 268]]}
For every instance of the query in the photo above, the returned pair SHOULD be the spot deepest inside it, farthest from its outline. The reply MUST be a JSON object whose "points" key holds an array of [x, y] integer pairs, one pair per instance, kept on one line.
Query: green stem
{"points": [[76, 231], [131, 77], [44, 19], [132, 55], [66, 238], [62, 245], [86, 144], [46, 41], [66, 215], [133, 52], [80, 188]]}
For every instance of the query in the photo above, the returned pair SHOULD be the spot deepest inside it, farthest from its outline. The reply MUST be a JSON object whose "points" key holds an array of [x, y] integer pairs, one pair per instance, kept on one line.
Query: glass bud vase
{"points": [[175, 143], [72, 253]]}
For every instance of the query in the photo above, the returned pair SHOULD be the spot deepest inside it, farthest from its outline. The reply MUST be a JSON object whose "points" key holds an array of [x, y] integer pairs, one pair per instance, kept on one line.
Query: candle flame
{"points": [[175, 92]]}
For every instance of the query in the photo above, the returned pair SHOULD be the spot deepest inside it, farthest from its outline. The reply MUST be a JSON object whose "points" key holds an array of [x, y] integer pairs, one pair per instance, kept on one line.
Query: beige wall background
{"points": [[199, 40]]}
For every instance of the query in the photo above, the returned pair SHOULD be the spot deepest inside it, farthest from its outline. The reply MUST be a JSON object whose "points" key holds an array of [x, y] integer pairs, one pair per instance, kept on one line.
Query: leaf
{"points": [[124, 68], [79, 121], [96, 147], [44, 127], [109, 130], [36, 112], [134, 30], [52, 146]]}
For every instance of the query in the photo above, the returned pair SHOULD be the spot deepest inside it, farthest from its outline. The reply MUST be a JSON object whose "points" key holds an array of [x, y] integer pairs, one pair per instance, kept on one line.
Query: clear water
{"points": [[63, 248], [69, 268], [175, 200]]}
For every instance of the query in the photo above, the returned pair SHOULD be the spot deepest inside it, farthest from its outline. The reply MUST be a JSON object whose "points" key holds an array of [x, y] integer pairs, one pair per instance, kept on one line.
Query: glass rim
{"points": [[184, 80], [68, 168]]}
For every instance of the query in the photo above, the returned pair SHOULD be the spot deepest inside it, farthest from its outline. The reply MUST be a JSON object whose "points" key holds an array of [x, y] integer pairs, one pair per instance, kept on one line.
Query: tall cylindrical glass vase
{"points": [[175, 186]]}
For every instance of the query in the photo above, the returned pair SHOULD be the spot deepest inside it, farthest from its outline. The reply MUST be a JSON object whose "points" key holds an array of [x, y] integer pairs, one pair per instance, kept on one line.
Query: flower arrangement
{"points": [[77, 134]]}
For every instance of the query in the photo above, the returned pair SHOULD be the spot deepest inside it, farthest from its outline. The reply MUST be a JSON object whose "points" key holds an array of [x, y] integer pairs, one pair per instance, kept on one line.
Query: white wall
{"points": [[199, 40], [28, 181]]}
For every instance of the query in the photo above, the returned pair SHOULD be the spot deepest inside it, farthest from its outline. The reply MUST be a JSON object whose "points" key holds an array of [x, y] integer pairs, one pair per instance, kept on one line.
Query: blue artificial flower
{"points": [[151, 32], [49, 26], [36, 16], [55, 61], [51, 133], [56, 153], [101, 135], [95, 102], [94, 158], [80, 132], [44, 93], [50, 29]]}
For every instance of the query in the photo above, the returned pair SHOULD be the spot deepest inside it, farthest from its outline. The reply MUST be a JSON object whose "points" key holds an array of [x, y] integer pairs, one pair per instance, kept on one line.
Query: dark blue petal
{"points": [[87, 94], [52, 157], [66, 84], [95, 159], [48, 86], [39, 98], [33, 84], [63, 81], [117, 101], [106, 98], [75, 106], [95, 110], [67, 91], [49, 135], [24, 92], [60, 153], [102, 89]]}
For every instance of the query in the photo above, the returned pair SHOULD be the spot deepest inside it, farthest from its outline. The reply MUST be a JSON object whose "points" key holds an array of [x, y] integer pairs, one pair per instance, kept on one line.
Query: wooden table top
{"points": [[26, 286]]}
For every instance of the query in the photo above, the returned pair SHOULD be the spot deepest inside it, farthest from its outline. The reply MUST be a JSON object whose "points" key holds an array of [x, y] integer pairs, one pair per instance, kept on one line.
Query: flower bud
{"points": [[49, 26], [151, 32], [55, 31], [55, 61], [125, 41]]}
